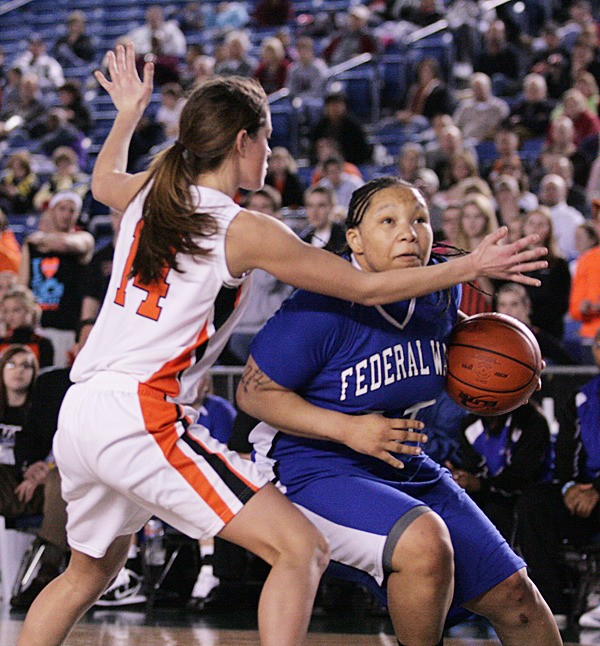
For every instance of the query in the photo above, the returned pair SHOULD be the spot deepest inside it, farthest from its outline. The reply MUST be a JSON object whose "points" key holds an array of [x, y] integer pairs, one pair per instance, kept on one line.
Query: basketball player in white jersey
{"points": [[124, 445]]}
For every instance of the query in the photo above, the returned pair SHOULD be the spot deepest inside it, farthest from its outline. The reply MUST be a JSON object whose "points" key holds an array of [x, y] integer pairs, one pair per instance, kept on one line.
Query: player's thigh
{"points": [[482, 557], [269, 525], [362, 518]]}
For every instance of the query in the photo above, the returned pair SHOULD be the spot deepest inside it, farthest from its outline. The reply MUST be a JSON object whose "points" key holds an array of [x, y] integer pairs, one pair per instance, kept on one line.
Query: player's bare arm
{"points": [[255, 240], [282, 408]]}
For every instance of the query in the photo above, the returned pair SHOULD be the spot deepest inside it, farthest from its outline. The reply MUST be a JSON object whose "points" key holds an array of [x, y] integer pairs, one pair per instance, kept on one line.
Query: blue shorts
{"points": [[357, 512]]}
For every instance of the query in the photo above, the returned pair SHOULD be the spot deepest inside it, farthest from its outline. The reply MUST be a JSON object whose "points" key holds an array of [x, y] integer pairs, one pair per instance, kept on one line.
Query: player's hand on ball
{"points": [[382, 437]]}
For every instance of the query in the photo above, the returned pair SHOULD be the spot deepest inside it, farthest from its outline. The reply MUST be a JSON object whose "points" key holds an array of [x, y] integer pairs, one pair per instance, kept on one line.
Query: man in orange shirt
{"points": [[584, 304]]}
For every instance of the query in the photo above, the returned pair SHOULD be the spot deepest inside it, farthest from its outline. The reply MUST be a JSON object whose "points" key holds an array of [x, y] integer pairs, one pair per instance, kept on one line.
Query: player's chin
{"points": [[403, 262]]}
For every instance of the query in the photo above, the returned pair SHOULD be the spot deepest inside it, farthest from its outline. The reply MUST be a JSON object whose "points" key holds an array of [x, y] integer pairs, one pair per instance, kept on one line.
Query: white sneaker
{"points": [[124, 590], [205, 583], [591, 618]]}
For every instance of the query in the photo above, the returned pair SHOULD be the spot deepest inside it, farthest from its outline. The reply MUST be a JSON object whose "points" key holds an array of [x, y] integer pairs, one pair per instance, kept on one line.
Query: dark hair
{"points": [[211, 119], [6, 356], [361, 198]]}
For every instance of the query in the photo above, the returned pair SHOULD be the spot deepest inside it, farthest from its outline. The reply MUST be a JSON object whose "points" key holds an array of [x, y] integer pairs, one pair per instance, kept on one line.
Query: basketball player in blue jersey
{"points": [[338, 385]]}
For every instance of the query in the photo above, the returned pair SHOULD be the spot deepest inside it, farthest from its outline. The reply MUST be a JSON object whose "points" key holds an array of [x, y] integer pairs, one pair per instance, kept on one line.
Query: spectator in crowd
{"points": [[477, 220], [169, 111], [307, 77], [193, 52], [52, 267], [28, 114], [592, 188], [421, 12], [266, 292], [427, 96], [322, 230], [461, 166], [506, 142], [587, 237], [448, 236], [562, 142], [203, 68], [228, 16], [337, 123], [10, 88], [479, 116], [163, 40], [507, 195], [326, 147], [158, 36], [75, 47], [584, 59], [18, 184], [273, 13], [18, 371], [576, 195], [438, 153], [60, 133], [66, 177], [282, 175], [499, 60], [97, 273], [237, 59], [552, 61], [8, 280], [410, 161], [527, 199], [586, 83], [75, 108], [428, 184], [585, 123], [499, 458], [530, 116], [272, 67], [353, 38], [35, 60], [567, 507], [553, 194], [191, 17], [549, 301], [341, 183], [513, 300], [584, 303], [10, 251], [21, 315]]}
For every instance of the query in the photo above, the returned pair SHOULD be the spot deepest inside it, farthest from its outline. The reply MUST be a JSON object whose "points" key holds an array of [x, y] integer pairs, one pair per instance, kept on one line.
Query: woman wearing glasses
{"points": [[19, 491]]}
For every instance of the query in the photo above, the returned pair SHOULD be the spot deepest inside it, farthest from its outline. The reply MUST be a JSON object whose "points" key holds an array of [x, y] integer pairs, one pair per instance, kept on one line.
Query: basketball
{"points": [[494, 363]]}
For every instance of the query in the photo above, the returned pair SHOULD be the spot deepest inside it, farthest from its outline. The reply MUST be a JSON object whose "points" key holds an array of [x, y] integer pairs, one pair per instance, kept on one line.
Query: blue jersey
{"points": [[353, 359]]}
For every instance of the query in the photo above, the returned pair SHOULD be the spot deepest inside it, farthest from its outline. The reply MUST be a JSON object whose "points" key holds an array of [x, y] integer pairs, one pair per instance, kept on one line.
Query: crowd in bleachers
{"points": [[452, 96], [492, 113]]}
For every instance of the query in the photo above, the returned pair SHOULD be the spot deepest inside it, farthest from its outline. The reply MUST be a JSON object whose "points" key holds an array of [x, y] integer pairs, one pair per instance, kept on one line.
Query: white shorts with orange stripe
{"points": [[125, 454]]}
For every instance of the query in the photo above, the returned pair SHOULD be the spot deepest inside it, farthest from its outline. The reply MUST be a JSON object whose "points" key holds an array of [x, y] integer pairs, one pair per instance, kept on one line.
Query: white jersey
{"points": [[168, 334]]}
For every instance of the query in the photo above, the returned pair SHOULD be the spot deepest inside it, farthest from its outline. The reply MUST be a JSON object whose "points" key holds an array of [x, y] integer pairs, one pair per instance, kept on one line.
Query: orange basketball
{"points": [[494, 363]]}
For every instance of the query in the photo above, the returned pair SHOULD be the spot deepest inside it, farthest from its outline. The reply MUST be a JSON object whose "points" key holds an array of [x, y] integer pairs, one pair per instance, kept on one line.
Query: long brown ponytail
{"points": [[212, 118]]}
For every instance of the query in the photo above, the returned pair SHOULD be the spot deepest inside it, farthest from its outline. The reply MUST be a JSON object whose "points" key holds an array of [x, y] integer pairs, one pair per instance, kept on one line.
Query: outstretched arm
{"points": [[111, 184], [282, 408], [255, 240]]}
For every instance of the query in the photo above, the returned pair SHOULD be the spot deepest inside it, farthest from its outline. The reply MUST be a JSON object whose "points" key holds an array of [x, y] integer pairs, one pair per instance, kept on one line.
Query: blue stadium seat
{"points": [[284, 118], [361, 86]]}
